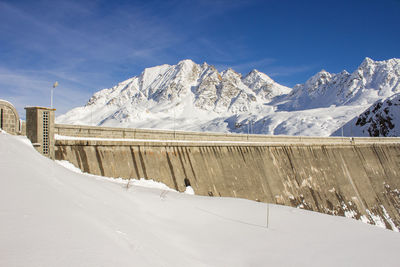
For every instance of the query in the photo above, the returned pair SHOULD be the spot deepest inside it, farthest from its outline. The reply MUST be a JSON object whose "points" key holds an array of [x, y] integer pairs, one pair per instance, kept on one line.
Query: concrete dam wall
{"points": [[357, 178], [352, 177]]}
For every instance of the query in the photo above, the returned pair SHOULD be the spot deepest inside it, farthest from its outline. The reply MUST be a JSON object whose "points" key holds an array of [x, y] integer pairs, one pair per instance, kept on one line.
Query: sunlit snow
{"points": [[53, 216]]}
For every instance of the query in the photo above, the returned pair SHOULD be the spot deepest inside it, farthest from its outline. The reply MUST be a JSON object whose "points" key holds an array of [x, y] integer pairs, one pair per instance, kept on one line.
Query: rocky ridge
{"points": [[381, 119]]}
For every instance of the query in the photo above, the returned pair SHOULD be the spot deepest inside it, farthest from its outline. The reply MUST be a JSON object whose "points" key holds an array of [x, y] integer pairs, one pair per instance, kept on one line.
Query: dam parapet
{"points": [[84, 132]]}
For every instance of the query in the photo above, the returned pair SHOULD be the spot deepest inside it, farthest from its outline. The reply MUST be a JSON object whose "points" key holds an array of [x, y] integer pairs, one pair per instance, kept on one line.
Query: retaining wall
{"points": [[360, 179]]}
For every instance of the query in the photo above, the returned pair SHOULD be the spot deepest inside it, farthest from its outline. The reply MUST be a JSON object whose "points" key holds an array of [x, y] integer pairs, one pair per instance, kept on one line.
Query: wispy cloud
{"points": [[84, 53], [108, 38], [32, 88], [23, 89], [276, 71], [90, 45]]}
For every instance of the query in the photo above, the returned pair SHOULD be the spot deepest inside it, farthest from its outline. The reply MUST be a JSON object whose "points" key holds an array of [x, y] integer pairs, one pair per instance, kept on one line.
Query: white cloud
{"points": [[30, 88], [81, 50], [287, 71]]}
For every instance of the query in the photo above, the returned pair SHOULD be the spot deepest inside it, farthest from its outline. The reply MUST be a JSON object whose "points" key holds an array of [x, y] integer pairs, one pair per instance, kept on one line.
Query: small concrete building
{"points": [[40, 129], [9, 119]]}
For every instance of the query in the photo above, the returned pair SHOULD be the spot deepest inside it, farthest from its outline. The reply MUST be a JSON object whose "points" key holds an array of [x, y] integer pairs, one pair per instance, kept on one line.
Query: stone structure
{"points": [[9, 119], [359, 178], [40, 129], [84, 131]]}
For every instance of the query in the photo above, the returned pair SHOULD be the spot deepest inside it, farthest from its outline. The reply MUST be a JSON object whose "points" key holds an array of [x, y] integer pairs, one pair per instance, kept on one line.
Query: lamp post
{"points": [[52, 89], [174, 123], [91, 115], [175, 105]]}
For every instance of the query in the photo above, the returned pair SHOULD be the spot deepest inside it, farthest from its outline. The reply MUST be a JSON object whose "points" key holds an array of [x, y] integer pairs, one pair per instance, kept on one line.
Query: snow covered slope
{"points": [[381, 119], [188, 96], [51, 216], [371, 81]]}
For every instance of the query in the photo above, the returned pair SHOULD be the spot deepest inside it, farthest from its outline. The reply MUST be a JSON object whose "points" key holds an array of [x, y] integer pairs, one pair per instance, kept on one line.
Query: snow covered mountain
{"points": [[372, 80], [188, 96]]}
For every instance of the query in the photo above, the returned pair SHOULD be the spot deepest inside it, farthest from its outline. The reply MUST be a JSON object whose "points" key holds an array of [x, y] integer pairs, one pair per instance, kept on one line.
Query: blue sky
{"points": [[90, 45]]}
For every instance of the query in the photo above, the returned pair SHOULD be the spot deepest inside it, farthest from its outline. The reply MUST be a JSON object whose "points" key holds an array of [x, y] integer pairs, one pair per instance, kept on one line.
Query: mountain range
{"points": [[194, 97]]}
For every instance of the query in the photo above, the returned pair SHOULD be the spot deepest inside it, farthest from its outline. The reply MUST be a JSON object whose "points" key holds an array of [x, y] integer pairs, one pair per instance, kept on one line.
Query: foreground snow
{"points": [[124, 182], [52, 216]]}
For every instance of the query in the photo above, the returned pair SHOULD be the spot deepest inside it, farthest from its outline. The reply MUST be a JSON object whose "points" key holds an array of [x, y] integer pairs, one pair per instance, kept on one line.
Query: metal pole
{"points": [[251, 126], [351, 134], [51, 98], [248, 130], [174, 124]]}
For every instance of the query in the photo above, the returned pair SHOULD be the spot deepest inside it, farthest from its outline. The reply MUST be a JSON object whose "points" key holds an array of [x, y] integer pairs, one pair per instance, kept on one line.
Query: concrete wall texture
{"points": [[360, 179], [9, 118]]}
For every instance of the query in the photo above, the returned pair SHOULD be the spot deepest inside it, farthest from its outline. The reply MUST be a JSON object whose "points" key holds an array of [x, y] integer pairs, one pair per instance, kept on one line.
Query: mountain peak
{"points": [[368, 60], [254, 71], [186, 62], [391, 63], [230, 71], [323, 72], [366, 63], [258, 75], [320, 78]]}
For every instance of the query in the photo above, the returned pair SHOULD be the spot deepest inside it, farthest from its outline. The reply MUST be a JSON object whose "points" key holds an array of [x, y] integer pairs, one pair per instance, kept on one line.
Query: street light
{"points": [[52, 89], [175, 105]]}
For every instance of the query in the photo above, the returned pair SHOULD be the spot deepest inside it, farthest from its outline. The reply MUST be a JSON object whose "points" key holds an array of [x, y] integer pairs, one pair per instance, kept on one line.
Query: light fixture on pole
{"points": [[52, 89], [175, 105]]}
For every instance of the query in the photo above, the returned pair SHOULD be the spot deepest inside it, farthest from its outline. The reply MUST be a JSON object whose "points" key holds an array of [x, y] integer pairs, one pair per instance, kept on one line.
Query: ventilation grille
{"points": [[45, 132]]}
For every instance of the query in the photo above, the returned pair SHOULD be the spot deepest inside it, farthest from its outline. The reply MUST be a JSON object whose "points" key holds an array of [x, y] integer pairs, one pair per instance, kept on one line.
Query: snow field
{"points": [[52, 216]]}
